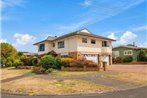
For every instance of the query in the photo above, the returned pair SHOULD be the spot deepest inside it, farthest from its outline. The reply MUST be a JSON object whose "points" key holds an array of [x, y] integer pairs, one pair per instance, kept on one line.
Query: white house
{"points": [[79, 44]]}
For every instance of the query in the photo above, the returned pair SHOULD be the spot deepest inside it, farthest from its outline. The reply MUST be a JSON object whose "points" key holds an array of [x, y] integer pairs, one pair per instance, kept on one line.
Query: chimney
{"points": [[133, 43]]}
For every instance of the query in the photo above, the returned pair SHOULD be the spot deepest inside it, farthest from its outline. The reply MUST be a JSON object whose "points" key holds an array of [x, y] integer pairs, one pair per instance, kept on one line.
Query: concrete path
{"points": [[131, 93]]}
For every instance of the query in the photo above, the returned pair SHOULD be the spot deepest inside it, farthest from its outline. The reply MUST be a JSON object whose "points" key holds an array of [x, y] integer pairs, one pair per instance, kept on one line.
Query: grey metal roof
{"points": [[51, 38]]}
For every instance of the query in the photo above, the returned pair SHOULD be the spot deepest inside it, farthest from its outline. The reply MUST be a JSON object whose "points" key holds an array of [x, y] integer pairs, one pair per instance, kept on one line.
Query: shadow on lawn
{"points": [[15, 78]]}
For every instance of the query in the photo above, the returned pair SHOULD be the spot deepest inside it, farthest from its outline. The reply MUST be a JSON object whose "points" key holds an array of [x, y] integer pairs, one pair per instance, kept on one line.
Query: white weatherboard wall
{"points": [[70, 45], [88, 47], [48, 47]]}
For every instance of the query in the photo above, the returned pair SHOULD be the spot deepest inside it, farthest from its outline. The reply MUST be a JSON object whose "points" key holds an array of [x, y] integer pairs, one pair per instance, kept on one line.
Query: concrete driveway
{"points": [[135, 68]]}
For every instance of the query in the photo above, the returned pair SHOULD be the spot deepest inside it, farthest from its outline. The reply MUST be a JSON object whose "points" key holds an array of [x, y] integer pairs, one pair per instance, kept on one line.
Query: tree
{"points": [[8, 54], [142, 55]]}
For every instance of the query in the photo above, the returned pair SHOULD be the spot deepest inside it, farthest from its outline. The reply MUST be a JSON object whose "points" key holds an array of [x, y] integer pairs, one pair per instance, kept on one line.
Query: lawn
{"points": [[45, 86], [12, 72], [66, 73], [129, 77], [33, 84]]}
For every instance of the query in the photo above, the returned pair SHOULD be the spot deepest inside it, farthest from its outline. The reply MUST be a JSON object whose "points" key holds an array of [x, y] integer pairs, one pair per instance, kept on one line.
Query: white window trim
{"points": [[126, 52]]}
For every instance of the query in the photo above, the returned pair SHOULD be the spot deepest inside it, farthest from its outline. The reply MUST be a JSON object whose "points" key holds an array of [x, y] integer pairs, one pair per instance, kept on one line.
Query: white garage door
{"points": [[92, 57], [105, 58]]}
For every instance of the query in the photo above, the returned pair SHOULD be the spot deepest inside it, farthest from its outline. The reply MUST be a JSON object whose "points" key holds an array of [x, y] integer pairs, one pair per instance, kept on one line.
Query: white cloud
{"points": [[140, 28], [3, 40], [87, 3], [127, 36], [10, 3], [23, 39], [112, 36], [98, 11]]}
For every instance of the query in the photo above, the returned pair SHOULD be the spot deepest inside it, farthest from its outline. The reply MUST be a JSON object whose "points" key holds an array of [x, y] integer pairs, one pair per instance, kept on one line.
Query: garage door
{"points": [[92, 57], [105, 58]]}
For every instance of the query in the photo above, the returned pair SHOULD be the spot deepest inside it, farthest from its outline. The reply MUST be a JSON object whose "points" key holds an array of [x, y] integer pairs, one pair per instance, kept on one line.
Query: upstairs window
{"points": [[42, 47], [105, 44], [84, 40], [53, 44], [61, 44], [93, 41]]}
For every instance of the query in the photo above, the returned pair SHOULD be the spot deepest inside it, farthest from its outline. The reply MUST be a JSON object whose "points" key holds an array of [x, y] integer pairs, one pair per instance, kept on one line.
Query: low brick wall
{"points": [[80, 69]]}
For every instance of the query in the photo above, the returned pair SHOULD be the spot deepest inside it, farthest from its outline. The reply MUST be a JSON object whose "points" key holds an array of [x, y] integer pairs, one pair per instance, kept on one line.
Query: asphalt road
{"points": [[132, 93]]}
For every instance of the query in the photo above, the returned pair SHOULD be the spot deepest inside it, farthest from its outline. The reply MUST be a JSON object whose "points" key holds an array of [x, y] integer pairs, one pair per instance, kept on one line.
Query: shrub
{"points": [[66, 62], [142, 56], [116, 60], [35, 61], [27, 61], [127, 59], [41, 70], [49, 61], [24, 67], [82, 63], [17, 63]]}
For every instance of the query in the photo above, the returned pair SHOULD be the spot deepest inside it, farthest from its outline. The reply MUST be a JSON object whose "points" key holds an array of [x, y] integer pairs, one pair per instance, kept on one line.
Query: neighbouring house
{"points": [[29, 54], [78, 44], [127, 50]]}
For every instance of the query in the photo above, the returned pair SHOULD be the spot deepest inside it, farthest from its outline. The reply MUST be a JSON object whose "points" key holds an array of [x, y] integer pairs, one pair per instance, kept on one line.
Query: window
{"points": [[53, 44], [92, 41], [41, 47], [105, 44], [84, 40], [128, 52], [61, 44]]}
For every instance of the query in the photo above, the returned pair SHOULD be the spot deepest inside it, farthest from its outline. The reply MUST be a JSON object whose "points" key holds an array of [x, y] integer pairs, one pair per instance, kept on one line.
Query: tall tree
{"points": [[8, 54]]}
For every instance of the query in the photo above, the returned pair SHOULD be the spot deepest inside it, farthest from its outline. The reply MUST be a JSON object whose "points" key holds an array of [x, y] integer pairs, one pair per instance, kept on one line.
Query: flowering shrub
{"points": [[66, 62], [82, 63]]}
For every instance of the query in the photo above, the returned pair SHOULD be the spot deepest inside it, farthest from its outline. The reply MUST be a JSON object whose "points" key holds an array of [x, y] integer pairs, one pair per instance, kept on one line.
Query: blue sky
{"points": [[25, 22]]}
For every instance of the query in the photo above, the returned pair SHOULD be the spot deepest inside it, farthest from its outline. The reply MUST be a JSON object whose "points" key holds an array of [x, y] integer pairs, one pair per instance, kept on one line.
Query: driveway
{"points": [[131, 93], [135, 68]]}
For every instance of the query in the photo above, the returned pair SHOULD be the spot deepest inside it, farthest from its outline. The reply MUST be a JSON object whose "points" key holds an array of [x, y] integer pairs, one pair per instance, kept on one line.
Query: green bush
{"points": [[142, 56], [127, 59], [17, 63], [27, 61], [35, 61], [49, 61]]}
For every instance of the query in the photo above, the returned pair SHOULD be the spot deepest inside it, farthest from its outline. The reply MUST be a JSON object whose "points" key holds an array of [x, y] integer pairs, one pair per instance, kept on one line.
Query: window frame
{"points": [[61, 44], [126, 52], [84, 40], [105, 44], [41, 47], [93, 40], [53, 44]]}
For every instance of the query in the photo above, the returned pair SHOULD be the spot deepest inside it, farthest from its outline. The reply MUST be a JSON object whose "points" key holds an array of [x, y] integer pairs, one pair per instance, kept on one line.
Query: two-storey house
{"points": [[79, 44]]}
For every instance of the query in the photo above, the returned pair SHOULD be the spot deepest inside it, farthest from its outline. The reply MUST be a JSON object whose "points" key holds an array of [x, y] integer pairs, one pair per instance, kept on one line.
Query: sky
{"points": [[24, 22]]}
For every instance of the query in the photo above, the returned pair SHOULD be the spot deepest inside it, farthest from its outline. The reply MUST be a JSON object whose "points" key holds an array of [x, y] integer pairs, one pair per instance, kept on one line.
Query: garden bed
{"points": [[80, 68]]}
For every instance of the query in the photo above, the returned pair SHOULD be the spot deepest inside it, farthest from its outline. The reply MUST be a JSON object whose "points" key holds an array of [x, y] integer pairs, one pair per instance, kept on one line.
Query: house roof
{"points": [[78, 32], [131, 47]]}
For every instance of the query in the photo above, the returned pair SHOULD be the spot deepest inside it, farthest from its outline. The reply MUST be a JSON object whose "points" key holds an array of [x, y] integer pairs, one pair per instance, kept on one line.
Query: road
{"points": [[132, 93]]}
